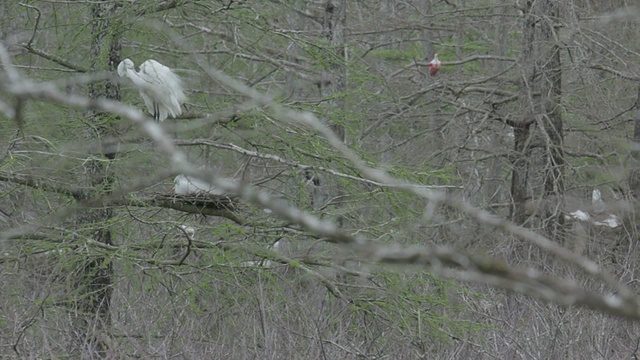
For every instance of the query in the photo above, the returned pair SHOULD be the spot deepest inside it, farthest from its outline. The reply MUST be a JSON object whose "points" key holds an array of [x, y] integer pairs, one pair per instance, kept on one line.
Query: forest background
{"points": [[485, 212]]}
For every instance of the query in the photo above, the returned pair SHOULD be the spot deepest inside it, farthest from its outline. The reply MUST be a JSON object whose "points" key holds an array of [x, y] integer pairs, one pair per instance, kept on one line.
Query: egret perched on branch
{"points": [[160, 88], [191, 186], [434, 65]]}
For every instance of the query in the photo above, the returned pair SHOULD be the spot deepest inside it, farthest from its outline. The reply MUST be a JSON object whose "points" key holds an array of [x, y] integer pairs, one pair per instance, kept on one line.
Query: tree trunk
{"points": [[94, 275], [540, 95], [520, 173], [551, 90], [334, 80], [634, 164], [522, 126]]}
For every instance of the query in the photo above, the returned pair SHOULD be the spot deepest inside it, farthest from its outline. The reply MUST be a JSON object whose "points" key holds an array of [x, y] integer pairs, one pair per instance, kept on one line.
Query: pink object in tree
{"points": [[434, 65]]}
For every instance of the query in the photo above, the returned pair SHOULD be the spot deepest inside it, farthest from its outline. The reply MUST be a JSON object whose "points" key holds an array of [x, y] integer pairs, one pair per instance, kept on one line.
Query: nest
{"points": [[202, 202]]}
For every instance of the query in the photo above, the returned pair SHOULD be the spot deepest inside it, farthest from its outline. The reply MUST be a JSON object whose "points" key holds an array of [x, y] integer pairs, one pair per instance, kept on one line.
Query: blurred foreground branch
{"points": [[445, 262]]}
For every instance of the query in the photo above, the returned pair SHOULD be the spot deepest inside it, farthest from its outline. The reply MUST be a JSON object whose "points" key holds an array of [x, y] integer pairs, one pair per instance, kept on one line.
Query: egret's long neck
{"points": [[136, 78], [133, 74]]}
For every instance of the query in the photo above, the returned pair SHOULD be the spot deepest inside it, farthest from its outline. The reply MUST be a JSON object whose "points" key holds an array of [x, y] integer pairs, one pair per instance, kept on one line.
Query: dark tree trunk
{"points": [[332, 87], [552, 124], [94, 274], [539, 174], [551, 92], [334, 82], [520, 173], [522, 126], [634, 164]]}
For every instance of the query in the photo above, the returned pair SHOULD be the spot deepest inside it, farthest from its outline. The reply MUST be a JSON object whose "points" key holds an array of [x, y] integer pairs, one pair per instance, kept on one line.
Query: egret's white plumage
{"points": [[599, 216], [596, 201], [611, 221], [190, 186], [160, 88], [189, 230], [579, 215]]}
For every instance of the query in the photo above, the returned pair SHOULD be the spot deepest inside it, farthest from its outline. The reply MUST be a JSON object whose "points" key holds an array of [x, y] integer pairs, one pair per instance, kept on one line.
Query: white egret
{"points": [[596, 202], [191, 186], [189, 230], [599, 216], [602, 217], [160, 88]]}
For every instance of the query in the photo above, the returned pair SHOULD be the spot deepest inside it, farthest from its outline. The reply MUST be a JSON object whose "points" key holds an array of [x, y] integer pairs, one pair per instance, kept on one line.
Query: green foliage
{"points": [[398, 55], [320, 300], [422, 304]]}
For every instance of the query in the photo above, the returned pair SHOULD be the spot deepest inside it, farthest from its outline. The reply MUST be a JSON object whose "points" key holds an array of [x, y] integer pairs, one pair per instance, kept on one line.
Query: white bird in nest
{"points": [[160, 88], [190, 186], [602, 217], [599, 216], [189, 230]]}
